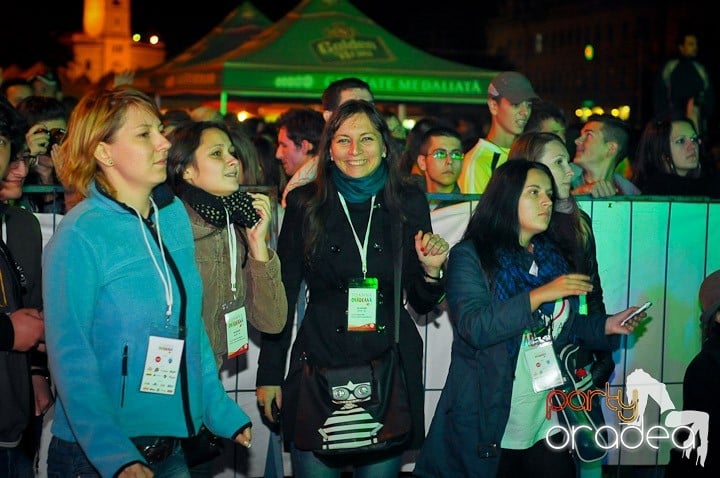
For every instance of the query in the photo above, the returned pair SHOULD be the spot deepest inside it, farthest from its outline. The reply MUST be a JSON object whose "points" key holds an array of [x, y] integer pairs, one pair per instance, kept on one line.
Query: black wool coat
{"points": [[323, 332]]}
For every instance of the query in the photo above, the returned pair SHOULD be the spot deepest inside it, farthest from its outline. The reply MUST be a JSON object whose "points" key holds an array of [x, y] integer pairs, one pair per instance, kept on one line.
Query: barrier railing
{"points": [[648, 248]]}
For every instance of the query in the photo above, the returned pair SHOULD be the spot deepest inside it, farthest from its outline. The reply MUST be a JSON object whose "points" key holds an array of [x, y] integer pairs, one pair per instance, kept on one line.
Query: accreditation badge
{"points": [[362, 304], [162, 364], [237, 332], [542, 364]]}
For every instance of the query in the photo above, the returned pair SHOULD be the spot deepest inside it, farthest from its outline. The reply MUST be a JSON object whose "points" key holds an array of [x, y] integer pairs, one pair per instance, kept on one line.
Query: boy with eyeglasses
{"points": [[440, 160]]}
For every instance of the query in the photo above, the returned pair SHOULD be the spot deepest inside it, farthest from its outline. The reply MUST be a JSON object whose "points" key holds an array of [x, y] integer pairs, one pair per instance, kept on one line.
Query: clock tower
{"points": [[106, 45]]}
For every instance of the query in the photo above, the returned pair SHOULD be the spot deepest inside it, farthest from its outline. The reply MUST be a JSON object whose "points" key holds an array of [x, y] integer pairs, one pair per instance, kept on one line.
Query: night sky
{"points": [[30, 30]]}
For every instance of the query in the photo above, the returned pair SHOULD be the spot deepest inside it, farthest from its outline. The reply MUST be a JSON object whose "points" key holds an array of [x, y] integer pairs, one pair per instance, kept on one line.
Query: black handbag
{"points": [[354, 409], [201, 448], [358, 408], [590, 442]]}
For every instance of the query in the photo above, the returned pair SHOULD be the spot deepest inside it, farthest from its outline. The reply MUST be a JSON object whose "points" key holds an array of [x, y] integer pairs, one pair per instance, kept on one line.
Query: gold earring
{"points": [[110, 162]]}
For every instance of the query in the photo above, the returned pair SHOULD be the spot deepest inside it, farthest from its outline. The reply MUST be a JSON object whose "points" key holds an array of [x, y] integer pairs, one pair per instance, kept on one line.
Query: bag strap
{"points": [[495, 161], [398, 259]]}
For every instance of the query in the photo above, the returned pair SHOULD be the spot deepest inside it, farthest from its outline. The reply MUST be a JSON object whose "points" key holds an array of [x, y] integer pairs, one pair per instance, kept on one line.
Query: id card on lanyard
{"points": [[162, 364], [235, 316], [362, 291], [164, 354], [237, 332], [538, 351], [362, 304], [542, 364]]}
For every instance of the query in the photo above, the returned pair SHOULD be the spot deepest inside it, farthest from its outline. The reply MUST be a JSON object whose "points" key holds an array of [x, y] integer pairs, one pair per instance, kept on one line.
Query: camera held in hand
{"points": [[57, 136]]}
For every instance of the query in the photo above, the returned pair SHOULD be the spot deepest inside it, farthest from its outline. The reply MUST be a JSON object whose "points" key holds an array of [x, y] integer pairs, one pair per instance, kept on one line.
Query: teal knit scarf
{"points": [[358, 190]]}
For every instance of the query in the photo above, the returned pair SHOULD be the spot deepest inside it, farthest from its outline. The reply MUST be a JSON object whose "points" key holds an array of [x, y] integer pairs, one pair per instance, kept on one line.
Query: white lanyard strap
{"points": [[232, 247], [362, 248], [164, 277]]}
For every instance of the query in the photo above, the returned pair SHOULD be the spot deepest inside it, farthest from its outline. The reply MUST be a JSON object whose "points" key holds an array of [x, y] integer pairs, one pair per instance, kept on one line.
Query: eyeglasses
{"points": [[682, 141], [360, 391], [442, 155]]}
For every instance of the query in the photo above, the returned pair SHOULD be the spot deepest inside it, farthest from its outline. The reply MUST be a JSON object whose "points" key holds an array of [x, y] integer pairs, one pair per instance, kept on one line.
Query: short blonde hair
{"points": [[96, 118]]}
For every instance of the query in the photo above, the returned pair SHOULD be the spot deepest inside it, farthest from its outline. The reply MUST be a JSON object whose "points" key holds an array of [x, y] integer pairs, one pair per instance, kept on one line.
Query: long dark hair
{"points": [[570, 232], [494, 225], [654, 154], [13, 126], [316, 206], [185, 140]]}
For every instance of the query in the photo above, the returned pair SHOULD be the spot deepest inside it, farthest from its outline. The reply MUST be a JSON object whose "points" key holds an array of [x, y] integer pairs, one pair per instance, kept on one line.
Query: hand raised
{"points": [[432, 251], [563, 286]]}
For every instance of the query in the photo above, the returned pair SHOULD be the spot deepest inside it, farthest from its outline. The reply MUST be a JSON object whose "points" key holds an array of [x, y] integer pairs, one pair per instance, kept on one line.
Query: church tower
{"points": [[106, 45]]}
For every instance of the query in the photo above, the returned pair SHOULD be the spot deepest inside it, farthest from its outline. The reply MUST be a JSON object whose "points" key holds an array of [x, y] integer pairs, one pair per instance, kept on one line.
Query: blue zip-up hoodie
{"points": [[104, 298]]}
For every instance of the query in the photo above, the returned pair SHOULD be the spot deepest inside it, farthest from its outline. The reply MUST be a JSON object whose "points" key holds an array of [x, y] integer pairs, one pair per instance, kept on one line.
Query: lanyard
{"points": [[232, 247], [362, 248], [165, 278]]}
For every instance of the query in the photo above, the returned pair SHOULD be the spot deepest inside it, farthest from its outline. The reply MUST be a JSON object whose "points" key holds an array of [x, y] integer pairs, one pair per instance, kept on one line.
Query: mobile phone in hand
{"points": [[275, 411], [642, 308]]}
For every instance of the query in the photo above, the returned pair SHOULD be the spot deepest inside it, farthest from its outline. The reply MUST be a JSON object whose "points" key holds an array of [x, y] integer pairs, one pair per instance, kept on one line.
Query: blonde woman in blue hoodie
{"points": [[128, 351]]}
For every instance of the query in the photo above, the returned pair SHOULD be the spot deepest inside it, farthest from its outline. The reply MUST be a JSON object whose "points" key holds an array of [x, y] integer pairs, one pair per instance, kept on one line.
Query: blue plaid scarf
{"points": [[513, 272]]}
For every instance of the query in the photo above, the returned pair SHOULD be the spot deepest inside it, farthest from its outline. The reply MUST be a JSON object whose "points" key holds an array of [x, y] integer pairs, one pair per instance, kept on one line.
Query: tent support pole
{"points": [[223, 102]]}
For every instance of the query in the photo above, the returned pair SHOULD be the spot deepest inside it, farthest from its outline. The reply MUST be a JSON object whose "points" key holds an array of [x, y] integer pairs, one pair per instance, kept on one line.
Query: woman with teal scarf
{"points": [[337, 230]]}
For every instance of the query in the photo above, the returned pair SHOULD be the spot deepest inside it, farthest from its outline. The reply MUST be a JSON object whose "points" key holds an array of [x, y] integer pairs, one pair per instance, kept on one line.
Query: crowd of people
{"points": [[162, 261]]}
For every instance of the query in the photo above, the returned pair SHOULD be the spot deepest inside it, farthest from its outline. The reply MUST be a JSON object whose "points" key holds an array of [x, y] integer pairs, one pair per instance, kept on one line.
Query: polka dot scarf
{"points": [[212, 208]]}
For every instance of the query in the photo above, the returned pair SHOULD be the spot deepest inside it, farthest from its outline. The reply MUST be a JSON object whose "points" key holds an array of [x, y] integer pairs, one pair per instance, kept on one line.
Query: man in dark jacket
{"points": [[684, 85], [21, 328], [701, 389]]}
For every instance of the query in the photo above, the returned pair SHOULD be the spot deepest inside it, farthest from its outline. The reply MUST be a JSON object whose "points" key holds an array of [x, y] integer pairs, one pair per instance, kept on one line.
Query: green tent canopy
{"points": [[318, 42], [238, 26]]}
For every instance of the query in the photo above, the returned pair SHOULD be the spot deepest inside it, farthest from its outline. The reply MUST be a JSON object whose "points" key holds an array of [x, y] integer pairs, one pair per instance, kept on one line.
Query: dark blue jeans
{"points": [[67, 459], [15, 463], [538, 461], [308, 464]]}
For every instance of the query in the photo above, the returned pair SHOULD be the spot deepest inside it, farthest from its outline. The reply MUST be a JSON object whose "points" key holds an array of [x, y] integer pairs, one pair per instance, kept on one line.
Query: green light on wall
{"points": [[589, 52]]}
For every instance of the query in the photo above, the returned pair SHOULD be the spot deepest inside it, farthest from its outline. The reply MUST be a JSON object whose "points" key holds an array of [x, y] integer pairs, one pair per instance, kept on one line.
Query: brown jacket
{"points": [[259, 286]]}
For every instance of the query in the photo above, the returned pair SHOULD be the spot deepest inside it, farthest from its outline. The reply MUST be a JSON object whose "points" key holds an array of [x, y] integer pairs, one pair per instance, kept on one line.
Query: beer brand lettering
{"points": [[348, 49], [294, 81]]}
